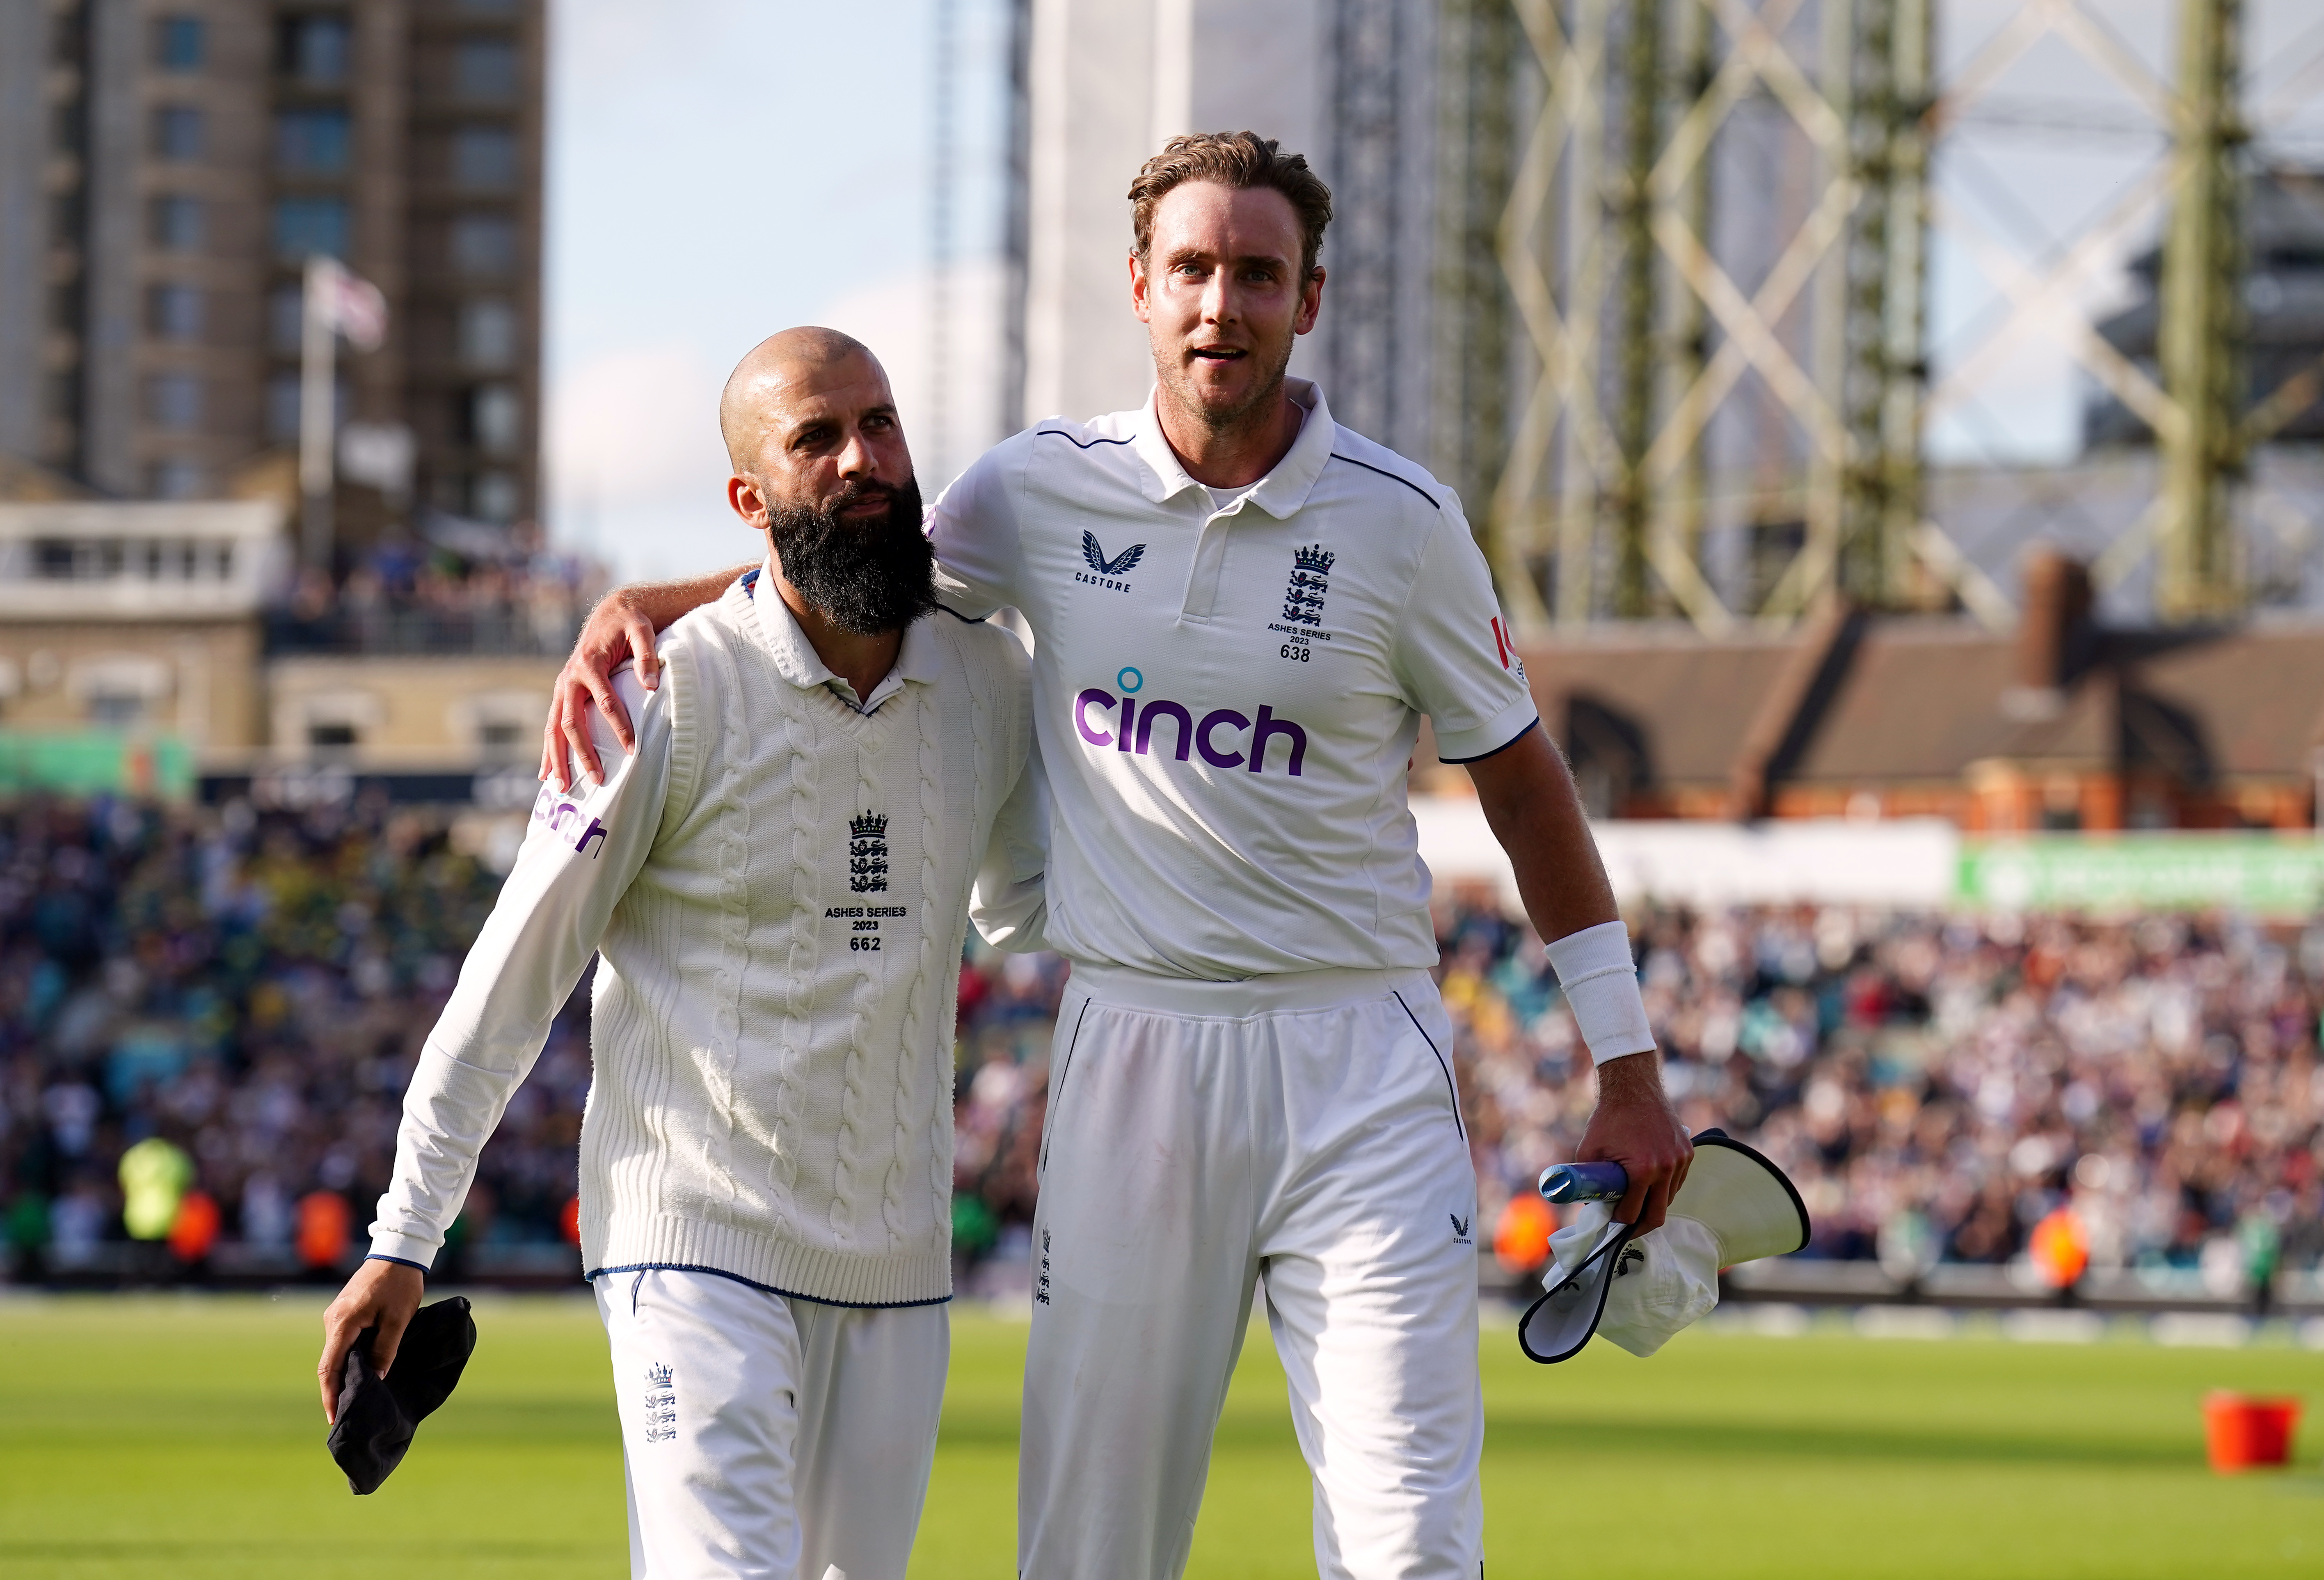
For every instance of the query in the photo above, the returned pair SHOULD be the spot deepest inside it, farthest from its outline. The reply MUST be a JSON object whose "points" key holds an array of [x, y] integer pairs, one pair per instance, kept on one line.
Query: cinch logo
{"points": [[564, 819], [1212, 735]]}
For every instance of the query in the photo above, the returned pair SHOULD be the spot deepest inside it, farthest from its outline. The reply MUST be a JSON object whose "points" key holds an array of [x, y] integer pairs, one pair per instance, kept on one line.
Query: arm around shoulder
{"points": [[620, 630], [1010, 902]]}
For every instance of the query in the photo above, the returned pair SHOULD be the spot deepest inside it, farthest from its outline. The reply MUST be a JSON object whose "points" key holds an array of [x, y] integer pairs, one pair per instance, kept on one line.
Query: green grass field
{"points": [[181, 1438]]}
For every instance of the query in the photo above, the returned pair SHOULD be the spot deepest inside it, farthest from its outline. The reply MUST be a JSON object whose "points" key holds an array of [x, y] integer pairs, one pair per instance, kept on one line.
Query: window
{"points": [[484, 157], [488, 334], [68, 126], [174, 402], [483, 244], [309, 225], [67, 35], [174, 312], [283, 408], [177, 480], [177, 223], [312, 141], [286, 320], [115, 710], [61, 394], [282, 392], [485, 68], [494, 417], [504, 743], [336, 739], [177, 132], [491, 497], [313, 49], [179, 43]]}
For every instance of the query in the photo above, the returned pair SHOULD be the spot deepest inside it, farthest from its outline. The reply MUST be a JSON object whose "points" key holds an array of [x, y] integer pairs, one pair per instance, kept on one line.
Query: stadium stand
{"points": [[253, 988]]}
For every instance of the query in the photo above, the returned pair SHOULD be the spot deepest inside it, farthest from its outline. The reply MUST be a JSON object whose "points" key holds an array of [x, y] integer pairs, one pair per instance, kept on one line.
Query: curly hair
{"points": [[1244, 160]]}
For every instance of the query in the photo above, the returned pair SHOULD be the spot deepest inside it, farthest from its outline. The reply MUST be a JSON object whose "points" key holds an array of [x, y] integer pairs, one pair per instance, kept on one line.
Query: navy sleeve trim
{"points": [[720, 1272], [1384, 472], [1497, 750], [1070, 440], [397, 1261]]}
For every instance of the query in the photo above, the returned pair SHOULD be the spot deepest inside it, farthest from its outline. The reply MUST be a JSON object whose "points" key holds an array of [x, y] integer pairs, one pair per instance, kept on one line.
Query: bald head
{"points": [[810, 424], [776, 373]]}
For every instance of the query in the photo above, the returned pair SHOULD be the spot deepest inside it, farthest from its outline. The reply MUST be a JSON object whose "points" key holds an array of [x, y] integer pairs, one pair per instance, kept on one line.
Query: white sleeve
{"points": [[973, 525], [1010, 901], [579, 857], [1452, 649]]}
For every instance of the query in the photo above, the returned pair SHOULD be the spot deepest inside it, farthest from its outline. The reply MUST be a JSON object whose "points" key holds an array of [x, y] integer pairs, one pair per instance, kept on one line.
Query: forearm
{"points": [[665, 603], [1530, 804], [450, 1110]]}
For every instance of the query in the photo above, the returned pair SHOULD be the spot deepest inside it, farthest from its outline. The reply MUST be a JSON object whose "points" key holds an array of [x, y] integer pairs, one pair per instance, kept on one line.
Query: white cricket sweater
{"points": [[778, 883]]}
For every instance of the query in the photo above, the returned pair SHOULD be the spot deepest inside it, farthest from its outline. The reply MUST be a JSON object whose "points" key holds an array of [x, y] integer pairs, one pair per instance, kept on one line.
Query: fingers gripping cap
{"points": [[379, 1416], [1736, 1206]]}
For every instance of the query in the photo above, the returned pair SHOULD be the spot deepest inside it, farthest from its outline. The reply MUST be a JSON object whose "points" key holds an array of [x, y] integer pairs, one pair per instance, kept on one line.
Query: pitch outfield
{"points": [[161, 1436]]}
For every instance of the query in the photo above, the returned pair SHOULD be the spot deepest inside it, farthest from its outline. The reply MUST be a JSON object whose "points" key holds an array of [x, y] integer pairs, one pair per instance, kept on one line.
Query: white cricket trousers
{"points": [[768, 1436], [1299, 1131]]}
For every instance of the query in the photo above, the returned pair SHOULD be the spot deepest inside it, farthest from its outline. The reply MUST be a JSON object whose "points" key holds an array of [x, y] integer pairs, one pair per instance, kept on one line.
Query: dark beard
{"points": [[864, 577]]}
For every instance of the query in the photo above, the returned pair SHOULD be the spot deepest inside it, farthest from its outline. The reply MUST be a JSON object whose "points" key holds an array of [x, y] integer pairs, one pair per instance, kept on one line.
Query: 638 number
{"points": [[1301, 654]]}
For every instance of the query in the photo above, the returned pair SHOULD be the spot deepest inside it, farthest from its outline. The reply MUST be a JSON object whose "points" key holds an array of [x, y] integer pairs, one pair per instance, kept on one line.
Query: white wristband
{"points": [[1600, 983]]}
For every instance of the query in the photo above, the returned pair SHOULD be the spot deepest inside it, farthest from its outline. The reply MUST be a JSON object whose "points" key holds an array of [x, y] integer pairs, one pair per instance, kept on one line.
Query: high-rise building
{"points": [[166, 169], [1348, 83]]}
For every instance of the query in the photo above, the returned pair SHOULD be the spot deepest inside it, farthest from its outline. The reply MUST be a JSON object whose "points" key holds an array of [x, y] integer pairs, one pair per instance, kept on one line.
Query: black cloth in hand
{"points": [[378, 1416]]}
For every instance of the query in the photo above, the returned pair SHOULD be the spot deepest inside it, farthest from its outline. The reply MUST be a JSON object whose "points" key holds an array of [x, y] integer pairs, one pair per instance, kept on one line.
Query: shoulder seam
{"points": [[1392, 477]]}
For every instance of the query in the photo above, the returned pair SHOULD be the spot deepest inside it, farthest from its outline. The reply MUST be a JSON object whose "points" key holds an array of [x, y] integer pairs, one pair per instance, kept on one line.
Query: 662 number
{"points": [[1301, 654], [863, 943]]}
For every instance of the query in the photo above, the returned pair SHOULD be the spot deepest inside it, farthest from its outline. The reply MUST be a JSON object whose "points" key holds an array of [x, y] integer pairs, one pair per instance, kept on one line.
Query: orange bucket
{"points": [[2242, 1432]]}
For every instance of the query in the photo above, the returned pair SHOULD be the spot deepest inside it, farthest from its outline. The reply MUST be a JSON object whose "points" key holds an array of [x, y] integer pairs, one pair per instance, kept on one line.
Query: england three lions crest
{"points": [[867, 852], [1311, 579]]}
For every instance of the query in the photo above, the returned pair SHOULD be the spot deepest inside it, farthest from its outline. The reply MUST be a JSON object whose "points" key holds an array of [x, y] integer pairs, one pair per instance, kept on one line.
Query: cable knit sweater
{"points": [[779, 882]]}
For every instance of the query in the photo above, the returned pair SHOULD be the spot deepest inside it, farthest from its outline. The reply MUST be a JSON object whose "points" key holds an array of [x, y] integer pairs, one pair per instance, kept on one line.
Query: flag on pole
{"points": [[338, 301], [349, 304]]}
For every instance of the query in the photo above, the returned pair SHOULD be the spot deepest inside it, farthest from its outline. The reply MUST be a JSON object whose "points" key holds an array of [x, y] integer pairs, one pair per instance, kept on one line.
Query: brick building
{"points": [[166, 167], [2063, 724]]}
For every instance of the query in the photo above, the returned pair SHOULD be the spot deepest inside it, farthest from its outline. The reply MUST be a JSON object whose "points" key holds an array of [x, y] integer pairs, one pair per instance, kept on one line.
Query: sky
{"points": [[2051, 149], [720, 168]]}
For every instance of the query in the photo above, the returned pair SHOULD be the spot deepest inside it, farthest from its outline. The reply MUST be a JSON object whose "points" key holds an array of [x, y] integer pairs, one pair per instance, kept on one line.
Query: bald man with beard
{"points": [[777, 878]]}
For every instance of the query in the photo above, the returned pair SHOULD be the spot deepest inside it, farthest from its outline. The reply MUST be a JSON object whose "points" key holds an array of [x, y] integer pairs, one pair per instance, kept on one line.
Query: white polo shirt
{"points": [[1226, 700]]}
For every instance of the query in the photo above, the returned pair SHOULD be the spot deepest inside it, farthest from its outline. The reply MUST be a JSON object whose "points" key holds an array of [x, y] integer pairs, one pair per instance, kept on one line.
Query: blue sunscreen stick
{"points": [[1572, 1182]]}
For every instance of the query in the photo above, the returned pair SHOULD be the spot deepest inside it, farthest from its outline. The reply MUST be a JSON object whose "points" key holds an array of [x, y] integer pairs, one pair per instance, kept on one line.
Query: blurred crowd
{"points": [[248, 991], [245, 994], [463, 588], [1940, 1086]]}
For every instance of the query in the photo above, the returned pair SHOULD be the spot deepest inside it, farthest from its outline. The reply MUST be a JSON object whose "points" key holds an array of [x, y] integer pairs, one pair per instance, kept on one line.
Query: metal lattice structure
{"points": [[1652, 348], [1478, 51]]}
